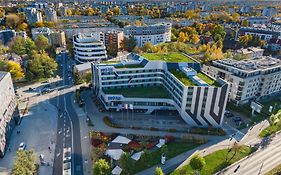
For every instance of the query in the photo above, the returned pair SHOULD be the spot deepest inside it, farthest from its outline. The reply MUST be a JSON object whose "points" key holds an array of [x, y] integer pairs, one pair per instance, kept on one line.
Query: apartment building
{"points": [[9, 114], [55, 37], [251, 79], [251, 52], [155, 34], [51, 14], [33, 15], [263, 33], [168, 86]]}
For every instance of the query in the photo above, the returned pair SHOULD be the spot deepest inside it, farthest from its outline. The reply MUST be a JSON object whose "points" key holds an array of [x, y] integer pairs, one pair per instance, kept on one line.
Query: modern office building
{"points": [[88, 49], [51, 15], [264, 33], [33, 15], [9, 114], [155, 34], [251, 79], [150, 86]]}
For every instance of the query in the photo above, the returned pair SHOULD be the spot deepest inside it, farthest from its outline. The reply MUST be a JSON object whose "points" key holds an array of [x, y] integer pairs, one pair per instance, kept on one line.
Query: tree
{"points": [[164, 149], [15, 69], [17, 45], [126, 163], [12, 21], [245, 23], [2, 13], [38, 24], [112, 49], [101, 167], [24, 163], [197, 163], [128, 44], [148, 47], [158, 171], [22, 27], [29, 46], [68, 12], [40, 65], [42, 43], [195, 38], [218, 32], [116, 11], [182, 37], [245, 39]]}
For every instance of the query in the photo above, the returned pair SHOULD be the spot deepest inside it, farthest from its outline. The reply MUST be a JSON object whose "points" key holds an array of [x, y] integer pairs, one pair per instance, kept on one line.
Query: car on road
{"points": [[66, 155], [67, 166], [236, 169], [32, 89], [22, 146], [237, 119], [228, 114]]}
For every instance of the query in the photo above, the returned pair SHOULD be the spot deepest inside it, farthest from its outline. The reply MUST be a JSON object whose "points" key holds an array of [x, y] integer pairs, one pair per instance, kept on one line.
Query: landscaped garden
{"points": [[140, 92], [183, 78], [168, 57], [207, 79], [138, 153], [218, 160]]}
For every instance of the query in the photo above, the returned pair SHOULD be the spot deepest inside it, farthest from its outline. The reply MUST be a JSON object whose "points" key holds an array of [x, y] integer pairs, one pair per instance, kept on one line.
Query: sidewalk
{"points": [[85, 143]]}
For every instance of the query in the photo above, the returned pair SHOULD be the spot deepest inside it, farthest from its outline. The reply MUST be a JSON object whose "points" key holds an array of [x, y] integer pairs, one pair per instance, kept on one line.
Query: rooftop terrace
{"points": [[188, 81], [140, 92], [169, 57]]}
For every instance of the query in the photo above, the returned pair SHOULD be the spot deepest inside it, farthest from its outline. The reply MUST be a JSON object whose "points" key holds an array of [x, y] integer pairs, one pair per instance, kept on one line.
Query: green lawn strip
{"points": [[216, 161], [275, 171], [207, 79], [183, 78], [174, 149], [168, 57], [274, 127], [140, 92]]}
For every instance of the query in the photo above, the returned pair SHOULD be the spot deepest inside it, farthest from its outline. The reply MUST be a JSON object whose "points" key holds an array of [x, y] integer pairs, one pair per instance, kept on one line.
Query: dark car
{"points": [[237, 119]]}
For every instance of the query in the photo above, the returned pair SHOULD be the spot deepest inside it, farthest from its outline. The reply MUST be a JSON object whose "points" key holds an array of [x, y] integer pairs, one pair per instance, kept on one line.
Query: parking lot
{"points": [[37, 130]]}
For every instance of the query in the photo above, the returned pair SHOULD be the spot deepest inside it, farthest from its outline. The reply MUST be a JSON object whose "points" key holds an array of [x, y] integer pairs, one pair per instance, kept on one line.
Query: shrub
{"points": [[96, 142], [169, 138], [135, 146]]}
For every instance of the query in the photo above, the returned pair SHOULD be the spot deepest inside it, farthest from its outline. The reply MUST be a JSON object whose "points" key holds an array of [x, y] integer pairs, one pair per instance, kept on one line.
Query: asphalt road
{"points": [[68, 130], [260, 162]]}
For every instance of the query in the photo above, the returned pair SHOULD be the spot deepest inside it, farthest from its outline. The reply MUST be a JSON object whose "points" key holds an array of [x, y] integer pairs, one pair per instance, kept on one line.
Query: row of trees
{"points": [[15, 21], [39, 63], [251, 40], [25, 163]]}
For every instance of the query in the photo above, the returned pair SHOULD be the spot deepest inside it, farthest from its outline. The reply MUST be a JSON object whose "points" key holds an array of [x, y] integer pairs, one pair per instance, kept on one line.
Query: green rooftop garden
{"points": [[140, 92], [168, 57], [207, 79], [183, 78]]}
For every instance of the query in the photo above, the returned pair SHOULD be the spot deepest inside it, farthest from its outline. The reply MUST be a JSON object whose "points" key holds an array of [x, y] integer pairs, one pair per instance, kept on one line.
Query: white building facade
{"points": [[249, 80], [9, 114], [155, 34], [200, 104], [88, 49]]}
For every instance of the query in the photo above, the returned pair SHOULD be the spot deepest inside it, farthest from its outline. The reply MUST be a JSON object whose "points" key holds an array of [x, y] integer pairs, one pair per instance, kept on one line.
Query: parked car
{"points": [[22, 146], [237, 119], [228, 114]]}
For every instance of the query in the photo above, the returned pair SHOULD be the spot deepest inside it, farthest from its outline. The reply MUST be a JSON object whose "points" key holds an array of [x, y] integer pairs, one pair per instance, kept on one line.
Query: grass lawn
{"points": [[174, 149], [275, 171], [216, 161], [207, 79], [169, 57], [183, 78], [140, 92], [274, 127]]}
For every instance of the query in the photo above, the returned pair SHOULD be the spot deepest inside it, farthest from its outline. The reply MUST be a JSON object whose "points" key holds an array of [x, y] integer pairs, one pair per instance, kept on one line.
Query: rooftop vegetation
{"points": [[168, 57]]}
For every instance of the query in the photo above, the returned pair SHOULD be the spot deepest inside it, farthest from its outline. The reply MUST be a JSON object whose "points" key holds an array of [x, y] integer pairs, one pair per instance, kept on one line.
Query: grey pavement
{"points": [[37, 130], [267, 157]]}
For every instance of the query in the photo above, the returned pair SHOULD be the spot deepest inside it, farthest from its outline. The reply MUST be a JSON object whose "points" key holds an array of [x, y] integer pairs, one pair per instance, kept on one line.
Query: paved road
{"points": [[265, 159], [68, 130]]}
